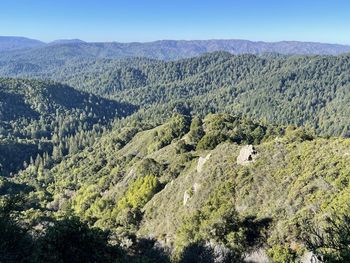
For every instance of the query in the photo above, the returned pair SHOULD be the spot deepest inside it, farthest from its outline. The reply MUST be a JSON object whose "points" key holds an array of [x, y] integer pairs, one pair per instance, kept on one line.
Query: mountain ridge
{"points": [[17, 42], [176, 49], [66, 41]]}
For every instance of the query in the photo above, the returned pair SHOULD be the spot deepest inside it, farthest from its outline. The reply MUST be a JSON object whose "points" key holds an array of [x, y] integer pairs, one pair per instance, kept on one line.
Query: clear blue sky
{"points": [[136, 20]]}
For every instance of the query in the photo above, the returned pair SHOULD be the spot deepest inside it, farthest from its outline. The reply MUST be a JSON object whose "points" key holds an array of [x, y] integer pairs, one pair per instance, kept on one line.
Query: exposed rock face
{"points": [[258, 256], [246, 155], [188, 194], [201, 162], [196, 187], [187, 197], [309, 257]]}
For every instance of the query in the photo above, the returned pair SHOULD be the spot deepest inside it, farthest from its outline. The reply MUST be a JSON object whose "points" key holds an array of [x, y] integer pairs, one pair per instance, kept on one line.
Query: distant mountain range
{"points": [[66, 41], [163, 49], [13, 43]]}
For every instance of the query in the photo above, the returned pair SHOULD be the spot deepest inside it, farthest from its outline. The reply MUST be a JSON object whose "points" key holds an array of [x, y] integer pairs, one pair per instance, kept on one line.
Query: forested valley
{"points": [[216, 158]]}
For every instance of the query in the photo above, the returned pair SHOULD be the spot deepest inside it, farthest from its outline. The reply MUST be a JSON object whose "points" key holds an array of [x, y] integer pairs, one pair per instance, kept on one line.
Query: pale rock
{"points": [[246, 155], [187, 197], [309, 257], [257, 256], [196, 187], [201, 162]]}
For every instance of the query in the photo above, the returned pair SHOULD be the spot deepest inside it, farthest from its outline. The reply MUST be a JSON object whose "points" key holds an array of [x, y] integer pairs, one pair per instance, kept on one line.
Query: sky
{"points": [[148, 20]]}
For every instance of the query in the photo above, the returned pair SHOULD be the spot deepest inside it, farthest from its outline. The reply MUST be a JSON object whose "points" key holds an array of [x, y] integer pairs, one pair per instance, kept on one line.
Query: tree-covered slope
{"points": [[189, 183], [300, 90], [41, 117], [138, 171]]}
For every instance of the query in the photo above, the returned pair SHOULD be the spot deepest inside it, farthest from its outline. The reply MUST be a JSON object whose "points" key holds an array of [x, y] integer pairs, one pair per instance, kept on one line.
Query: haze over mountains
{"points": [[13, 43], [162, 49]]}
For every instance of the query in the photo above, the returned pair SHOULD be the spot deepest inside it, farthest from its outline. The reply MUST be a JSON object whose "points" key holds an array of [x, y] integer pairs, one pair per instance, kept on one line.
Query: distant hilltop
{"points": [[66, 41], [162, 49], [13, 43]]}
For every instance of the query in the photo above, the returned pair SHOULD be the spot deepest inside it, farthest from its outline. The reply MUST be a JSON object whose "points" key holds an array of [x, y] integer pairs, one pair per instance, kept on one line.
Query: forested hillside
{"points": [[40, 119], [301, 90], [188, 189], [217, 158]]}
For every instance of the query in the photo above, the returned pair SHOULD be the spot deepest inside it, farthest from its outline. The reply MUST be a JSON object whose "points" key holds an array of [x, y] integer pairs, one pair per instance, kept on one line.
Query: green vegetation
{"points": [[218, 221], [139, 193], [283, 254], [156, 177], [330, 243], [40, 122], [223, 127], [310, 91], [64, 240], [132, 185]]}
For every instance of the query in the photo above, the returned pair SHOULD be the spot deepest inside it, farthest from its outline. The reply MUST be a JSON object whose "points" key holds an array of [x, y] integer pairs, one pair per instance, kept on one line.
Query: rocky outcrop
{"points": [[196, 187], [247, 155], [187, 197], [189, 193], [258, 256], [310, 257], [201, 162]]}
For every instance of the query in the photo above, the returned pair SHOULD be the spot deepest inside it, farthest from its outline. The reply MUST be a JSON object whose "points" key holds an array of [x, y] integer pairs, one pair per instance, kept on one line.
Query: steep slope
{"points": [[35, 116], [181, 184]]}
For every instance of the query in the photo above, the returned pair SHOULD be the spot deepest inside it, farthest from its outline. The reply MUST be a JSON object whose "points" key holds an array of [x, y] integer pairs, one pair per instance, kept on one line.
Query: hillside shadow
{"points": [[13, 107], [70, 98]]}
